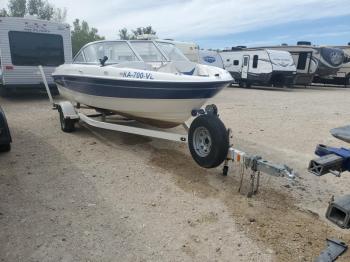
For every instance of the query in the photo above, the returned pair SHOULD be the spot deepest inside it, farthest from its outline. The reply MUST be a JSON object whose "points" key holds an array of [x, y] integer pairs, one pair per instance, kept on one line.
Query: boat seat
{"points": [[342, 133], [168, 68]]}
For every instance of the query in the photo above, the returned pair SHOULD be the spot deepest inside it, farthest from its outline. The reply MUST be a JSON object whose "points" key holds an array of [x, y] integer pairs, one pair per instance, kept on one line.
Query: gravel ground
{"points": [[96, 195]]}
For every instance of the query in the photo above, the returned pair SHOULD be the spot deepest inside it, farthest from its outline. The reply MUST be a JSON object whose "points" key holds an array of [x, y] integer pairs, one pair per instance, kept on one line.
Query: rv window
{"points": [[302, 60], [245, 61], [255, 61], [32, 49], [236, 62], [227, 60]]}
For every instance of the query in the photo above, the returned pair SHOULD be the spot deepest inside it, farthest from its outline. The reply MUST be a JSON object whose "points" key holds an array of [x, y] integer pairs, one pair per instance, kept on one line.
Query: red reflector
{"points": [[9, 67]]}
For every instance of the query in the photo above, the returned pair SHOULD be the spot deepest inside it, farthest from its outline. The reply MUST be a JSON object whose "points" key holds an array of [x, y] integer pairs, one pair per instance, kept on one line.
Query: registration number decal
{"points": [[138, 75]]}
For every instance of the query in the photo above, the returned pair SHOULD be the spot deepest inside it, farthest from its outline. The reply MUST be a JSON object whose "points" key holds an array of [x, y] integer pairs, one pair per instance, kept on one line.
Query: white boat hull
{"points": [[158, 112]]}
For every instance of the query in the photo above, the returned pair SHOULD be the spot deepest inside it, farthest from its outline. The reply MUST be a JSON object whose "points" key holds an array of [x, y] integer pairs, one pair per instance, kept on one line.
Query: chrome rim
{"points": [[202, 141]]}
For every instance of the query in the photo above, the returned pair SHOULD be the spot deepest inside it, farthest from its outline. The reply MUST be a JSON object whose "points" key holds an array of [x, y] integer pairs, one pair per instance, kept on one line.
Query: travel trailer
{"points": [[313, 61], [343, 75], [189, 49], [259, 66], [211, 58], [26, 43]]}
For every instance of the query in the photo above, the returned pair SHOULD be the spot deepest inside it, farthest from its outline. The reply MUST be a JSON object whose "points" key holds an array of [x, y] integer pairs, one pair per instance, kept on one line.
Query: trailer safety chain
{"points": [[256, 164], [241, 173], [254, 183], [254, 179]]}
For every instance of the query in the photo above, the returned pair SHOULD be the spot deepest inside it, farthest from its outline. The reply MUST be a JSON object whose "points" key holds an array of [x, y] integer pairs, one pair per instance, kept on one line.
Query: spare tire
{"points": [[208, 141]]}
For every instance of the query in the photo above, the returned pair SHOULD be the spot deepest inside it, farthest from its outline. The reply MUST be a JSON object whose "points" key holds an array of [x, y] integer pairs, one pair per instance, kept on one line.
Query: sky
{"points": [[219, 23]]}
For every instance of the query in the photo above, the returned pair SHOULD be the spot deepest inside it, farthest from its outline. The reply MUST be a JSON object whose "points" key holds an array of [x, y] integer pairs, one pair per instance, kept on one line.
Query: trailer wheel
{"points": [[5, 148], [208, 141], [67, 125]]}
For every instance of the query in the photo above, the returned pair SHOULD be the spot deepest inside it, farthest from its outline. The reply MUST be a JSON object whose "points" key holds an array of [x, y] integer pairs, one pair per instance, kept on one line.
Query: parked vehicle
{"points": [[5, 135], [343, 75], [189, 49], [140, 79], [26, 43], [313, 61], [259, 66], [209, 57]]}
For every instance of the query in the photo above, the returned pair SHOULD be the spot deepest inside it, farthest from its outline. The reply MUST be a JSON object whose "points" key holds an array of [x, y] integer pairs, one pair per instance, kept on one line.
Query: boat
{"points": [[145, 80]]}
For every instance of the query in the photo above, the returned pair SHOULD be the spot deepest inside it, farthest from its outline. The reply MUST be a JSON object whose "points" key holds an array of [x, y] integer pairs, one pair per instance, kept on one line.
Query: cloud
{"points": [[195, 19]]}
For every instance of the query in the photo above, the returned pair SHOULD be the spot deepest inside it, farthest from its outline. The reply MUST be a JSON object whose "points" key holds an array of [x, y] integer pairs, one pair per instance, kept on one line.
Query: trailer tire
{"points": [[208, 141], [67, 125], [5, 148]]}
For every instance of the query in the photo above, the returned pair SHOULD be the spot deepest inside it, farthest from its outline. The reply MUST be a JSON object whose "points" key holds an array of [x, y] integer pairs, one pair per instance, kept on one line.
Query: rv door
{"points": [[245, 66]]}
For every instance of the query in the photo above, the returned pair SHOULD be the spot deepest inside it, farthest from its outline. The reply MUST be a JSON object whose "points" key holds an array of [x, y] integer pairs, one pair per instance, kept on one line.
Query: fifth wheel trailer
{"points": [[26, 43], [259, 66], [342, 77]]}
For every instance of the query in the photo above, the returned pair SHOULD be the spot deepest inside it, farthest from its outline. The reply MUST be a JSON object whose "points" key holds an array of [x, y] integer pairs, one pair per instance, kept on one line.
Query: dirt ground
{"points": [[96, 195]]}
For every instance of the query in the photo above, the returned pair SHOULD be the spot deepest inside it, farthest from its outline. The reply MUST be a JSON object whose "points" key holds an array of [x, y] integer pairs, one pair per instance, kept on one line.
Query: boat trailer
{"points": [[70, 114]]}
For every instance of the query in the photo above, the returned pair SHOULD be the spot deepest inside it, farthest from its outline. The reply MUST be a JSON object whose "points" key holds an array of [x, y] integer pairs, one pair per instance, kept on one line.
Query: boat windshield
{"points": [[148, 51], [172, 51], [116, 52], [129, 51]]}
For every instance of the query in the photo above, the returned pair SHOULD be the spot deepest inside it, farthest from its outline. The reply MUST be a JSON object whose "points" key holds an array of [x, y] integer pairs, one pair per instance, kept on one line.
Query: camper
{"points": [[211, 58], [342, 77], [189, 49], [26, 43], [313, 61], [259, 66]]}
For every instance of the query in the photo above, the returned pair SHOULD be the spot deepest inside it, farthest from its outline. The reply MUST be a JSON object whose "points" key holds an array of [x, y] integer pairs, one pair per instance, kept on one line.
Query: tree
{"points": [[40, 8], [123, 33], [33, 6], [60, 15], [82, 34], [17, 8], [3, 12], [46, 12]]}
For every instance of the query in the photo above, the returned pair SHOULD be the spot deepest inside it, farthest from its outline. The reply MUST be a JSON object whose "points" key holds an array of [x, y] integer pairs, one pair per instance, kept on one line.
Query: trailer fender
{"points": [[68, 110]]}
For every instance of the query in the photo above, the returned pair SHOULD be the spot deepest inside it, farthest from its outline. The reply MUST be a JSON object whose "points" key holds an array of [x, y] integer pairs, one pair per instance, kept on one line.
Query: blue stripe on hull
{"points": [[140, 89]]}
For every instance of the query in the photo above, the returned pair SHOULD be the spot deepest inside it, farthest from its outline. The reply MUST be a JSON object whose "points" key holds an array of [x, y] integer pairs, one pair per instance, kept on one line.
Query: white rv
{"points": [[189, 49], [26, 43], [211, 58], [259, 66], [343, 75], [313, 61]]}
